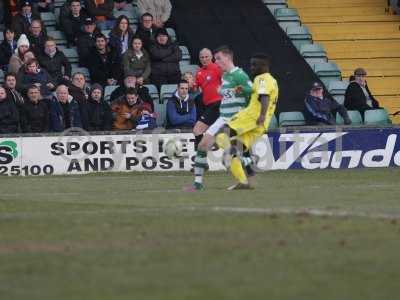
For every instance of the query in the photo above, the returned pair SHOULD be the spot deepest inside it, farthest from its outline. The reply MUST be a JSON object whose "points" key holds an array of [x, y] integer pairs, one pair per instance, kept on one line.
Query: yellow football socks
{"points": [[238, 171]]}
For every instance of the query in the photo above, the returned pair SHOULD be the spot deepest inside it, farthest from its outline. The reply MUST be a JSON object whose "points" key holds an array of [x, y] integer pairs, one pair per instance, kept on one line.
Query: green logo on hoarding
{"points": [[8, 152]]}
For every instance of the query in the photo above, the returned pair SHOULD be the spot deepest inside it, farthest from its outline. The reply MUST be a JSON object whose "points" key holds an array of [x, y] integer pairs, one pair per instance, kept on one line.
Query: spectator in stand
{"points": [[10, 84], [193, 90], [9, 10], [165, 56], [146, 30], [23, 19], [64, 111], [320, 110], [7, 48], [9, 116], [80, 91], [103, 64], [100, 116], [208, 80], [121, 36], [35, 112], [33, 75], [137, 61], [17, 59], [55, 62], [159, 9], [37, 36], [130, 82], [358, 96], [86, 41], [181, 108], [102, 11], [128, 110], [72, 22], [43, 5], [16, 64]]}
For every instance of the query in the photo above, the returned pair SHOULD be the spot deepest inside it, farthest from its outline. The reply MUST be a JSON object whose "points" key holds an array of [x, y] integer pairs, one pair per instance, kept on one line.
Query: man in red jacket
{"points": [[208, 80]]}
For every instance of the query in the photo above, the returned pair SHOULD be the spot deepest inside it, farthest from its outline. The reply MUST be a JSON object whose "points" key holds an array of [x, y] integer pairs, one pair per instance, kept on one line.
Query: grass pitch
{"points": [[299, 235]]}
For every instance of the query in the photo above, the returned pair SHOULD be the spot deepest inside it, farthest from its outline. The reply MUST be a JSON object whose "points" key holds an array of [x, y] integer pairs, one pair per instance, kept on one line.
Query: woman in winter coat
{"points": [[137, 61]]}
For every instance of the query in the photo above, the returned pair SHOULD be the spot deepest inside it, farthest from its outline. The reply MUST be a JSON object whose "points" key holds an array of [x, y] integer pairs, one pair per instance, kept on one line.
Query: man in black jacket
{"points": [[165, 57], [9, 116], [55, 62], [7, 47], [100, 116], [103, 63], [80, 92], [146, 30], [86, 41], [37, 36], [358, 96], [10, 84], [130, 81], [73, 22], [321, 110], [35, 112], [23, 19]]}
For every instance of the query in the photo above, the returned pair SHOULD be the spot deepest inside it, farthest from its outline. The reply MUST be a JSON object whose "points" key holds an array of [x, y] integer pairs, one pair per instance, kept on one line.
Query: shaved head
{"points": [[205, 56]]}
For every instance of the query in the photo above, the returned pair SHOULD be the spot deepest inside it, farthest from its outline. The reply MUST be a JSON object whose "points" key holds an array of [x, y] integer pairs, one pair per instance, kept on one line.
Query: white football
{"points": [[173, 148]]}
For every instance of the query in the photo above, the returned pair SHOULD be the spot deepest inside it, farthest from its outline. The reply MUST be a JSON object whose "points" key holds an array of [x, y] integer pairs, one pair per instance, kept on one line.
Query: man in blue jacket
{"points": [[181, 108], [320, 110]]}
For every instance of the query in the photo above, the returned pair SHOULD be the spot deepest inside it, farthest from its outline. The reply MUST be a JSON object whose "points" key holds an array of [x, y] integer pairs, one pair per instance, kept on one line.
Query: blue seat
{"points": [[354, 116], [161, 111], [153, 92], [166, 91], [108, 91], [189, 68], [291, 118], [376, 117]]}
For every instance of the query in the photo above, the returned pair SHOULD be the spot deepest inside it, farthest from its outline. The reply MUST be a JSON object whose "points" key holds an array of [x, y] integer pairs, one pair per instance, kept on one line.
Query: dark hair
{"points": [[70, 2], [32, 86], [31, 61], [225, 50], [116, 31], [50, 39], [131, 91], [100, 36], [78, 73], [183, 81], [10, 29], [263, 57], [146, 15], [10, 74]]}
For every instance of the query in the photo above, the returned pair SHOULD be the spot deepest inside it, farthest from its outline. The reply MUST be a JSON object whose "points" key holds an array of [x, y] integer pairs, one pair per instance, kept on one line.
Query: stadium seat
{"points": [[273, 5], [58, 36], [108, 91], [354, 116], [49, 20], [1, 36], [185, 53], [337, 89], [313, 53], [71, 54], [300, 35], [292, 118], [106, 32], [129, 14], [167, 90], [287, 17], [327, 72], [189, 68], [172, 34], [274, 123], [153, 92], [1, 76], [376, 117], [161, 111]]}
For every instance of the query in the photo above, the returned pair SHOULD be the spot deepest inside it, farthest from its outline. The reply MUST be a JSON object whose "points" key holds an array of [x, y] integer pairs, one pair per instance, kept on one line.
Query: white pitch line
{"points": [[307, 211]]}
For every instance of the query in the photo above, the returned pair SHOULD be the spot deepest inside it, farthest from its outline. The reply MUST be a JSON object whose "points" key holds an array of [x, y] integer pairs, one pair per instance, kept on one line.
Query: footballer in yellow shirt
{"points": [[248, 125]]}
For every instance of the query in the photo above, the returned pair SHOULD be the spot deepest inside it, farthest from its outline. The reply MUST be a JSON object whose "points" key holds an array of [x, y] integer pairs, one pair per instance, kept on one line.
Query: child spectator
{"points": [[181, 108]]}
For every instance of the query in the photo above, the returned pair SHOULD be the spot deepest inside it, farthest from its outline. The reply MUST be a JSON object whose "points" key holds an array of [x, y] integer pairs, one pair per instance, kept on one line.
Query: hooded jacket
{"points": [[181, 112]]}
